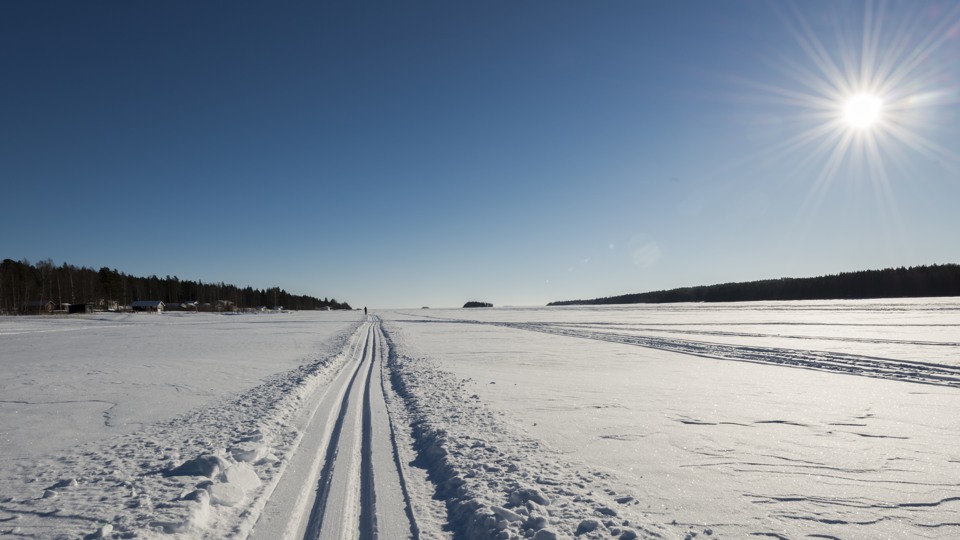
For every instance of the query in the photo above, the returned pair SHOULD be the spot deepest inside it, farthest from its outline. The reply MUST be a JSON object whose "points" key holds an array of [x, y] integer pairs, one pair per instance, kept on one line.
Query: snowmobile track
{"points": [[837, 362]]}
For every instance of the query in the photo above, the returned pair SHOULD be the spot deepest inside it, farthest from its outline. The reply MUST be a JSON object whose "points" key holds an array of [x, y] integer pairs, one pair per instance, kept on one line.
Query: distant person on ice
{"points": [[364, 310]]}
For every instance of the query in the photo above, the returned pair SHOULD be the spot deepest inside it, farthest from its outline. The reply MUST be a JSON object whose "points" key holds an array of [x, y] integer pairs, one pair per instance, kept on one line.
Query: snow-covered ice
{"points": [[787, 420], [67, 381], [152, 424]]}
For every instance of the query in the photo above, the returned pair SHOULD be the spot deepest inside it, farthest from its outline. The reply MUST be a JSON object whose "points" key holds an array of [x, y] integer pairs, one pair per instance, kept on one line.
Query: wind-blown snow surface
{"points": [[784, 420]]}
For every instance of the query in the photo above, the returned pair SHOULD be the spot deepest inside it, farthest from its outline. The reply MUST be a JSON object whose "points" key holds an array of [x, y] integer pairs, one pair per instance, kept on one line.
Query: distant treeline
{"points": [[918, 281], [474, 304], [29, 288]]}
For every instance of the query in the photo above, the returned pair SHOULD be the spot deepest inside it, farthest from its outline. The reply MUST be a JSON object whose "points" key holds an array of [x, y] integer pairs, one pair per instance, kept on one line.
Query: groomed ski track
{"points": [[345, 480]]}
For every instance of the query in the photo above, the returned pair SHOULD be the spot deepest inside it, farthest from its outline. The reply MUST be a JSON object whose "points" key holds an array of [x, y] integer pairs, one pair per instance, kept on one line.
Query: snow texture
{"points": [[780, 420]]}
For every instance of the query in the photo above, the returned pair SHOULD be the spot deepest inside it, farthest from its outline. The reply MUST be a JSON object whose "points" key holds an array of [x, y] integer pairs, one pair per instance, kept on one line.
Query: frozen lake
{"points": [[72, 380], [735, 445], [794, 420]]}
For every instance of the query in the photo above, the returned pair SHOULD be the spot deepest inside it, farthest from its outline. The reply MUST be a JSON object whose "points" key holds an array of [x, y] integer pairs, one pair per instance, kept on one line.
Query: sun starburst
{"points": [[864, 100]]}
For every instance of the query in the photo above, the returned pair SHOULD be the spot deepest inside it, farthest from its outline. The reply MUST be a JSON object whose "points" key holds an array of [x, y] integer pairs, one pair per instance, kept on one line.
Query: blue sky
{"points": [[400, 154]]}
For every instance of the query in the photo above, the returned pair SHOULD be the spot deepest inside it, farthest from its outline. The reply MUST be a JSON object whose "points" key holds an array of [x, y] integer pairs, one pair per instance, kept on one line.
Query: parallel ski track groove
{"points": [[315, 522], [372, 348], [408, 505], [368, 515]]}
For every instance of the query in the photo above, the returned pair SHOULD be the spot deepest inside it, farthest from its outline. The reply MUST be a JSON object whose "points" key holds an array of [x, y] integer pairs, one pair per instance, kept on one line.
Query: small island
{"points": [[473, 304]]}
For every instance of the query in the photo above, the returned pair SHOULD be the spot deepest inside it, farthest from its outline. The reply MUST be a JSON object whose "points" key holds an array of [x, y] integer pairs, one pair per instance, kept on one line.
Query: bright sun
{"points": [[862, 110], [862, 100]]}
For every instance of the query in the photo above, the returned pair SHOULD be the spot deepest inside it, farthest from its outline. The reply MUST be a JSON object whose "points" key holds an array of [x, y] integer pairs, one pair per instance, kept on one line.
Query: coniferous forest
{"points": [[34, 288], [917, 281]]}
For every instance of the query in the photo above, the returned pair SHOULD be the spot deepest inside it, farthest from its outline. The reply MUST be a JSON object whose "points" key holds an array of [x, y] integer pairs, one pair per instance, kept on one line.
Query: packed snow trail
{"points": [[345, 481]]}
